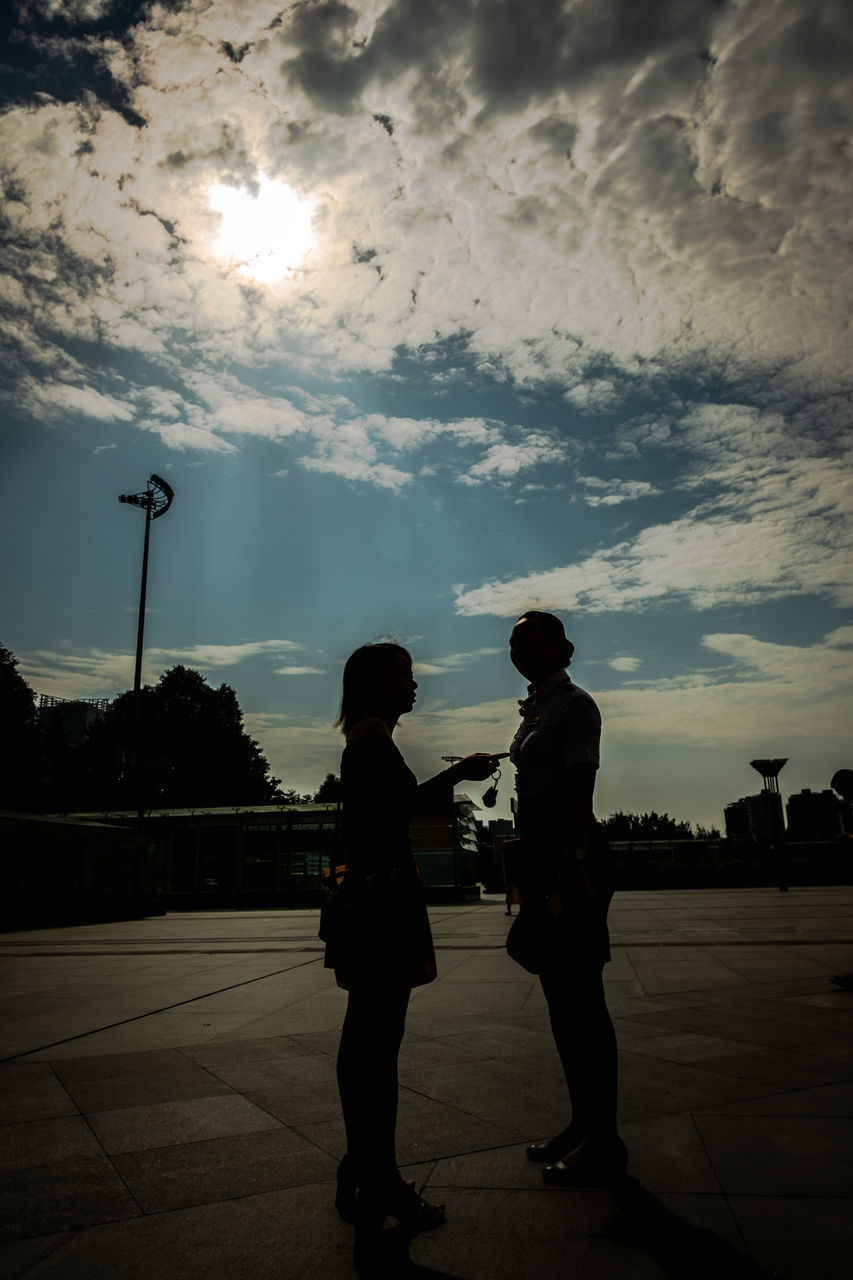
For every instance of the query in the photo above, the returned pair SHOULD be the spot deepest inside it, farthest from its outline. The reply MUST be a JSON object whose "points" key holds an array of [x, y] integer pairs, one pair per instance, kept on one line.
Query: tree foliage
{"points": [[330, 789], [294, 797], [193, 749], [646, 826], [21, 757]]}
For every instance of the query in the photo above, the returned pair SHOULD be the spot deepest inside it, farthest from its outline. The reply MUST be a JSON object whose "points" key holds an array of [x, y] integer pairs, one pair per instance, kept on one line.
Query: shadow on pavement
{"points": [[681, 1250], [398, 1265]]}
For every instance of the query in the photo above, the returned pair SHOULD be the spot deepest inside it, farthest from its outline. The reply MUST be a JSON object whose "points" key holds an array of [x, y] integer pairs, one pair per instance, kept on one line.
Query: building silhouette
{"points": [[74, 716], [754, 819], [816, 815]]}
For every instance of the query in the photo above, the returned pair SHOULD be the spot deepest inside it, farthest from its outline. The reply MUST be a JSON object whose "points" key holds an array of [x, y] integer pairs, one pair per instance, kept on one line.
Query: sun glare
{"points": [[263, 236]]}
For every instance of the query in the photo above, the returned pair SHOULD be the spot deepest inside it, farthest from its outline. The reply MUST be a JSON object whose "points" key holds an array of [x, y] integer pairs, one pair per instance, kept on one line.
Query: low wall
{"points": [[63, 871]]}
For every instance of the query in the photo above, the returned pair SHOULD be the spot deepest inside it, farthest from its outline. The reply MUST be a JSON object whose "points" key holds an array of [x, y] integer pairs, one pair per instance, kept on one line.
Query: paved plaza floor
{"points": [[169, 1106]]}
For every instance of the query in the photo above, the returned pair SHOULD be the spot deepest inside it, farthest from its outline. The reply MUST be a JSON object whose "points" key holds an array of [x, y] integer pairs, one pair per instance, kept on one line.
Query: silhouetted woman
{"points": [[382, 946], [566, 881]]}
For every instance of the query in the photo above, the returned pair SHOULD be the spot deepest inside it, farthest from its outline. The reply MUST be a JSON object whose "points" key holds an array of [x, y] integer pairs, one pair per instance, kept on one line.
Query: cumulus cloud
{"points": [[96, 673], [69, 10], [769, 697], [507, 460], [841, 636], [634, 184], [452, 661], [612, 493], [625, 664], [221, 655], [774, 521]]}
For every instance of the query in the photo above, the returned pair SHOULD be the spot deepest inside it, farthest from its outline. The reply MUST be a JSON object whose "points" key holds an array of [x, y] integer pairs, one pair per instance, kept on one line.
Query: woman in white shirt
{"points": [[565, 875]]}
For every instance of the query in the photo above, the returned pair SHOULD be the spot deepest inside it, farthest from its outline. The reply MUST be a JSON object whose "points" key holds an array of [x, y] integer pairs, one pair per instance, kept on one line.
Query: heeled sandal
{"points": [[411, 1210], [402, 1202]]}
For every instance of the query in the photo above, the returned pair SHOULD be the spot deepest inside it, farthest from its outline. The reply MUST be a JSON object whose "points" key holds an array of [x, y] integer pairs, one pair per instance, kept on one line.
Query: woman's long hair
{"points": [[362, 671]]}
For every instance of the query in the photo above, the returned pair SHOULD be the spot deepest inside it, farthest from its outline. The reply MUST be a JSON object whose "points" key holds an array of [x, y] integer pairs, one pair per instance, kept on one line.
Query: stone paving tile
{"points": [[505, 1168], [524, 1047], [17, 1256], [298, 1103], [690, 1046], [840, 1045], [114, 1066], [489, 998], [171, 1123], [667, 1156], [628, 1029], [222, 1169], [31, 1091], [158, 1031], [58, 1197], [781, 1068], [32, 1143], [426, 1130], [447, 1051], [663, 1087], [826, 1100], [174, 1080], [291, 1234], [213, 1054], [784, 1232], [621, 990], [780, 1155], [752, 1031], [498, 1092], [271, 1074]]}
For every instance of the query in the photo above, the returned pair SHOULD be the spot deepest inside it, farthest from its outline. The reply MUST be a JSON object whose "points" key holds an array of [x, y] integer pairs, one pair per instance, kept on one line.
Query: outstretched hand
{"points": [[478, 766]]}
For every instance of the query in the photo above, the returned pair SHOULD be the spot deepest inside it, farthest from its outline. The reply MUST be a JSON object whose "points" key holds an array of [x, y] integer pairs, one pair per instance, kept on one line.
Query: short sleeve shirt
{"points": [[561, 727]]}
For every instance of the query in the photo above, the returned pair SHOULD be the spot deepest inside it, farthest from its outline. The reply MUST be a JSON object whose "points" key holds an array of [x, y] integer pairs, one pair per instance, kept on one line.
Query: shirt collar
{"points": [[547, 686]]}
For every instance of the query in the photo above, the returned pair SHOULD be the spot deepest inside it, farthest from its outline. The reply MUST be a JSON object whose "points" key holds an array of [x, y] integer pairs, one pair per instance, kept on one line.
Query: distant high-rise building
{"points": [[814, 815], [755, 818]]}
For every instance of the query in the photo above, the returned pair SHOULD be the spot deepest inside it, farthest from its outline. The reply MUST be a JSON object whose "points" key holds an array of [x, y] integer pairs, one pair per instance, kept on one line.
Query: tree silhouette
{"points": [[330, 789], [21, 760], [193, 749], [646, 826]]}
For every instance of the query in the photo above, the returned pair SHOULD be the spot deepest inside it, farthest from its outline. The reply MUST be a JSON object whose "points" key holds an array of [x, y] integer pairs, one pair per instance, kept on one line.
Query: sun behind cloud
{"points": [[263, 236]]}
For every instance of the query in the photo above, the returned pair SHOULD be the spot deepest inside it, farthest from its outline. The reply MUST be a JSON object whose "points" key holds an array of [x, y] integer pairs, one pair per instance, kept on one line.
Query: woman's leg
{"points": [[367, 1067], [586, 1043]]}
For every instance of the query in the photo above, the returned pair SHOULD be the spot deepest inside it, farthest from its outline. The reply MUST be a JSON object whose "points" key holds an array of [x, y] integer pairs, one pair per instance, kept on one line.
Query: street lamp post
{"points": [[155, 502]]}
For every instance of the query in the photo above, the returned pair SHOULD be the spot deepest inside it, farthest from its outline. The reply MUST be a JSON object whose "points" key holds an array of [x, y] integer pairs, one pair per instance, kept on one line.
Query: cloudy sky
{"points": [[432, 311]]}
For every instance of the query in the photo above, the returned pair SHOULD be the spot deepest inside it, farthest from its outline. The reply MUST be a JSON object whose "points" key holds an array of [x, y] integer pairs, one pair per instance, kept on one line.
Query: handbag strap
{"points": [[334, 873]]}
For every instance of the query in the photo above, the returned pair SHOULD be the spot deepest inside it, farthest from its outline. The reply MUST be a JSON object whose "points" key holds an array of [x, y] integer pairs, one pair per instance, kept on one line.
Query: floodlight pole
{"points": [[770, 770], [140, 626], [155, 502]]}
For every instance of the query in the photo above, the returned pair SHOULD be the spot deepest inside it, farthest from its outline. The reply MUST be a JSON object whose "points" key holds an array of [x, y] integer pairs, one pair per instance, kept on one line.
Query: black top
{"points": [[380, 797]]}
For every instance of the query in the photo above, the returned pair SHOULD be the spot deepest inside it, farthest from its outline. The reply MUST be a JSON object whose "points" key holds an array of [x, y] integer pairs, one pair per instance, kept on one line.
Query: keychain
{"points": [[490, 796]]}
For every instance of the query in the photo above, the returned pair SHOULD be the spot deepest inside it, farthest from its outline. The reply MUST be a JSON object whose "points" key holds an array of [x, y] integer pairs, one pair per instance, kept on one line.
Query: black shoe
{"points": [[553, 1149], [378, 1254], [413, 1213], [589, 1166]]}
